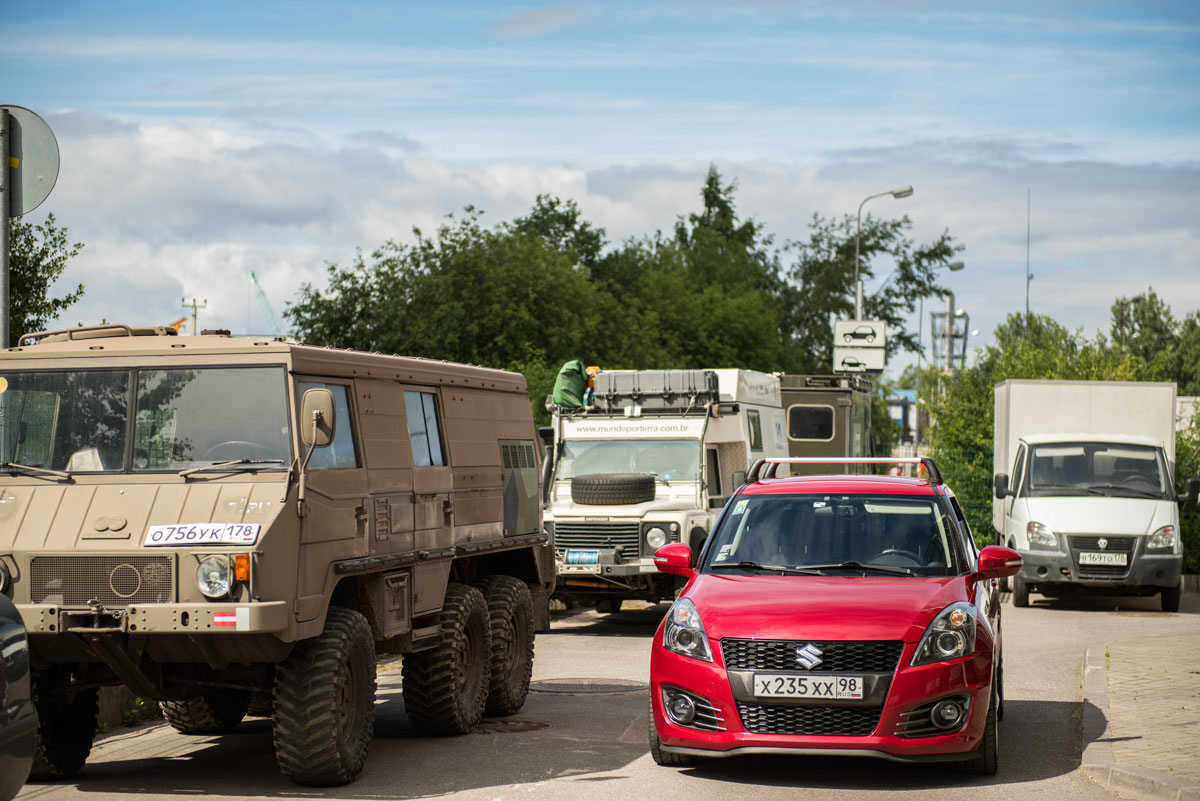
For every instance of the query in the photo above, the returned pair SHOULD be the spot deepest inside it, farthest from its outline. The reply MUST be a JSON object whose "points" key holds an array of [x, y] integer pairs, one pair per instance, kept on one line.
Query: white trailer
{"points": [[1089, 498]]}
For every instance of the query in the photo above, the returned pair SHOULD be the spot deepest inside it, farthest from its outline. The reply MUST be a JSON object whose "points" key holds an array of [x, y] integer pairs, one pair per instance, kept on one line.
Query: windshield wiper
{"points": [[233, 466], [852, 565], [1119, 488], [804, 571], [657, 477], [34, 470], [1075, 487]]}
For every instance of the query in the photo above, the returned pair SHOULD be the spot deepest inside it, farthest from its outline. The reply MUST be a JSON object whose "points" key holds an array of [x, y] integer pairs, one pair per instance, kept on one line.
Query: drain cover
{"points": [[588, 686], [499, 726]]}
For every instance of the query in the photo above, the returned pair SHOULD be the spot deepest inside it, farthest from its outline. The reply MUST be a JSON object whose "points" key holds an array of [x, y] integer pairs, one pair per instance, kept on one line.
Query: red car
{"points": [[837, 614]]}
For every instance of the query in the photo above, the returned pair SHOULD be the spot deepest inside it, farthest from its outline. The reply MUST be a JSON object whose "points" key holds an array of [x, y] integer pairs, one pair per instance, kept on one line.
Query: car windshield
{"points": [[1097, 468], [835, 534], [670, 459]]}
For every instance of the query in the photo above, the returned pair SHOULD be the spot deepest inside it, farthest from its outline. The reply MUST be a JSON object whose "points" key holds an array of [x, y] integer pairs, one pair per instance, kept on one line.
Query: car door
{"points": [[1014, 505]]}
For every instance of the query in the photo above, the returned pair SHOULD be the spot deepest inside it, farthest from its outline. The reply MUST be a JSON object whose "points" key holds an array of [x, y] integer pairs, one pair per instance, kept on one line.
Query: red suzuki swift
{"points": [[837, 614]]}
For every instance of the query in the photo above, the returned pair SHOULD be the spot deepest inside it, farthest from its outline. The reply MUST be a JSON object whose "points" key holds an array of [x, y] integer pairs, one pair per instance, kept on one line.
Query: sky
{"points": [[199, 142]]}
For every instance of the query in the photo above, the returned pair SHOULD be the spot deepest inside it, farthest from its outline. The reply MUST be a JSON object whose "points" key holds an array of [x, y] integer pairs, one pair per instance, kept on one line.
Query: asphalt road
{"points": [[582, 733]]}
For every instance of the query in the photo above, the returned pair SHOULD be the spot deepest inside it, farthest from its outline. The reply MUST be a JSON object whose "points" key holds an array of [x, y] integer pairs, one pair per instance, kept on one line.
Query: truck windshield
{"points": [[1097, 468], [670, 459], [835, 535], [79, 421]]}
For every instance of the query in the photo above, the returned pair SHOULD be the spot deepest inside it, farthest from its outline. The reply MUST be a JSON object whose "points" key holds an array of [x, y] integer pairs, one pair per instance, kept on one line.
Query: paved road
{"points": [[592, 745]]}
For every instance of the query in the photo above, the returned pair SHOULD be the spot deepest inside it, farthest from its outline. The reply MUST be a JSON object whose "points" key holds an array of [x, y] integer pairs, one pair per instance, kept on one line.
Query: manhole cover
{"points": [[505, 726], [588, 686]]}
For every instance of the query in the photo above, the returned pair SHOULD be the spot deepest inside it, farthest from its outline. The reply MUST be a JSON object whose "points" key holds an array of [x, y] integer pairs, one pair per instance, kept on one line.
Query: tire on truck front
{"points": [[446, 687], [216, 711], [324, 702], [510, 619], [65, 729]]}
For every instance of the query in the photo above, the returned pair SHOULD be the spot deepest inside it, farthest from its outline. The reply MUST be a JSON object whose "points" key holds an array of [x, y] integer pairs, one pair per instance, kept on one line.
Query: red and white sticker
{"points": [[237, 619]]}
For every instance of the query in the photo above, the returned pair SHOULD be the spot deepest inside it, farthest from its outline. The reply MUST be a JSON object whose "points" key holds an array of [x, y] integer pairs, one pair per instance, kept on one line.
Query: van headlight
{"points": [[212, 577], [951, 635], [656, 538], [684, 633], [1041, 536], [1162, 540]]}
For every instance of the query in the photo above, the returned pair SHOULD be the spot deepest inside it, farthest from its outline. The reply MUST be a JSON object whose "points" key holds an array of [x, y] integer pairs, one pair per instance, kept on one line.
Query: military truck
{"points": [[236, 526], [827, 415]]}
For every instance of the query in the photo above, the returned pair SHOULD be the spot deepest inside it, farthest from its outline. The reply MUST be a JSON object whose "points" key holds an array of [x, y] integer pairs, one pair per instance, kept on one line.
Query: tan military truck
{"points": [[233, 526]]}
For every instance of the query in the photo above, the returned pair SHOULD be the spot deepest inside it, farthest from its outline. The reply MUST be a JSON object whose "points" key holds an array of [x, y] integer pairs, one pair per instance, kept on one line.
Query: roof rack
{"points": [[763, 469], [96, 332]]}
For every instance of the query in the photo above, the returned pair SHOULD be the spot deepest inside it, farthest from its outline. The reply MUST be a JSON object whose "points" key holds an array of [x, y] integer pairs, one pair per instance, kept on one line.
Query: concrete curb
{"points": [[1098, 765]]}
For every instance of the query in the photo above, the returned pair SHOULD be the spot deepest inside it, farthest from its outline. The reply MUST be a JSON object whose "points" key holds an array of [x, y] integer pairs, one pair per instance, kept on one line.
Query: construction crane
{"points": [[265, 306]]}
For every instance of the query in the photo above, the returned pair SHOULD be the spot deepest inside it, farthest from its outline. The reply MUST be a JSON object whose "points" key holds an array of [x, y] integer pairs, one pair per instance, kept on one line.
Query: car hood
{"points": [[822, 607]]}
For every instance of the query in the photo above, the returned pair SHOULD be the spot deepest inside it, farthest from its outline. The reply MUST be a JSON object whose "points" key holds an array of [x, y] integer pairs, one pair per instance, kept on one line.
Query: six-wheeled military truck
{"points": [[238, 526]]}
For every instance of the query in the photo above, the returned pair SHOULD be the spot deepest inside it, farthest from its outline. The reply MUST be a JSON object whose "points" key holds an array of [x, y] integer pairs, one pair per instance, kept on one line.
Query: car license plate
{"points": [[789, 685], [1086, 558]]}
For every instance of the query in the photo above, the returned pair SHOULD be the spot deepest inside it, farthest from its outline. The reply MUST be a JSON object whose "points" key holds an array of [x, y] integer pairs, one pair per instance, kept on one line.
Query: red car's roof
{"points": [[886, 485]]}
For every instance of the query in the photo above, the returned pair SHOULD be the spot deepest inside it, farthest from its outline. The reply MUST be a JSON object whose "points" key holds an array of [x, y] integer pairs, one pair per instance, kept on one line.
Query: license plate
{"points": [[789, 685], [1086, 558], [202, 534]]}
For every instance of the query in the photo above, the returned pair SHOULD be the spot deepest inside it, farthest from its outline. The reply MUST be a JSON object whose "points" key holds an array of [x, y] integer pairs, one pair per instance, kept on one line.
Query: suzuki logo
{"points": [[1103, 543], [809, 656]]}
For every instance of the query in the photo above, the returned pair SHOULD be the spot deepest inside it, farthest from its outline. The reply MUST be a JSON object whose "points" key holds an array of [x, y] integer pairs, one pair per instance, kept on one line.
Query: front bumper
{"points": [[256, 618], [1144, 572]]}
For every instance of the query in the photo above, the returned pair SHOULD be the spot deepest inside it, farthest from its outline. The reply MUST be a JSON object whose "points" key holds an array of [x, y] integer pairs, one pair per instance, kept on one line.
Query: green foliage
{"points": [[138, 710], [1187, 465], [38, 255]]}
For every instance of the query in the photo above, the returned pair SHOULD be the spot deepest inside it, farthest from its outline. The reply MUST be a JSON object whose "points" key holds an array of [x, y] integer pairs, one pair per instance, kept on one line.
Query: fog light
{"points": [[681, 709], [946, 714]]}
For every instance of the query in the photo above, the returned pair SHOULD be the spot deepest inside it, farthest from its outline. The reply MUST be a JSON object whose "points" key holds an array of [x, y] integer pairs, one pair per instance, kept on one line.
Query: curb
{"points": [[1097, 763]]}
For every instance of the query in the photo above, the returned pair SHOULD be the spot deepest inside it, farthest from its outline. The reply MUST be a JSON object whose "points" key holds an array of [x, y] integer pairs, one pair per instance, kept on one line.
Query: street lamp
{"points": [[953, 267], [899, 192]]}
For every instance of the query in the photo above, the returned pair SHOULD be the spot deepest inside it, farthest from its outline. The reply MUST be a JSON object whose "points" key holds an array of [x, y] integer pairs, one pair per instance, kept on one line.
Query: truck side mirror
{"points": [[1001, 485], [1191, 492], [739, 478], [317, 420]]}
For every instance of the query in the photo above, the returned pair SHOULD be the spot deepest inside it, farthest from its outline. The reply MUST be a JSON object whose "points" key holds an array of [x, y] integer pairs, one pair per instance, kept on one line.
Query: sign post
{"points": [[859, 346]]}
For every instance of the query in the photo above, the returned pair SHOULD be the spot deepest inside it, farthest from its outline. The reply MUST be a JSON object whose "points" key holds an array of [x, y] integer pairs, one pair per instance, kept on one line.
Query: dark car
{"points": [[18, 721]]}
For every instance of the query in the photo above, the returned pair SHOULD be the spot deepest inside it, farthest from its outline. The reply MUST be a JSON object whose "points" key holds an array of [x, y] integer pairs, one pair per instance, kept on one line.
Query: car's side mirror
{"points": [[996, 561], [1001, 485], [1191, 492], [739, 478], [675, 558], [317, 420]]}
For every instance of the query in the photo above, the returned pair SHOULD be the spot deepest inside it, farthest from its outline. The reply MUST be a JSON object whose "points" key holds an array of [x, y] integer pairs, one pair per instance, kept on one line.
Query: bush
{"points": [[1187, 465]]}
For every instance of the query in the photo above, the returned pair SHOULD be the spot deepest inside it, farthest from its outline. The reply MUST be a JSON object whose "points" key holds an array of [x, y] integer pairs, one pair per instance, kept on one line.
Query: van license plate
{"points": [[1086, 558], [784, 685]]}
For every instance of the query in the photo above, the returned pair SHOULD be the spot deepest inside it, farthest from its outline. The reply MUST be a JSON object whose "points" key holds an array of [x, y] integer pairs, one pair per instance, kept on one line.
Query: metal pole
{"points": [[949, 330], [5, 212], [1028, 277], [920, 353], [857, 280]]}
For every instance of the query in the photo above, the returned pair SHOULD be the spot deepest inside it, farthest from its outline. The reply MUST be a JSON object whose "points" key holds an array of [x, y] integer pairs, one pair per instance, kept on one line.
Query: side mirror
{"points": [[1191, 492], [716, 502], [996, 561], [739, 478], [317, 407], [675, 558], [1001, 485]]}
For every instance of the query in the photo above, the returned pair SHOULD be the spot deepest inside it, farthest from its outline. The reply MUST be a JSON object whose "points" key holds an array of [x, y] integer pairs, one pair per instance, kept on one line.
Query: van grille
{"points": [[1091, 543], [599, 535], [872, 656], [112, 580]]}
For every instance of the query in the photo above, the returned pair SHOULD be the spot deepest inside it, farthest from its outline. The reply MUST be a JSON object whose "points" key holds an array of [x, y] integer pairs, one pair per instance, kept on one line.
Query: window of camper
{"points": [[341, 453], [752, 420], [813, 423], [714, 472], [423, 434]]}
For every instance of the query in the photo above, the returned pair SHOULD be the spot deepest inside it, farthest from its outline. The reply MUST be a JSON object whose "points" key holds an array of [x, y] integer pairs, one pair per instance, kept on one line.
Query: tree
{"points": [[38, 256], [1144, 327]]}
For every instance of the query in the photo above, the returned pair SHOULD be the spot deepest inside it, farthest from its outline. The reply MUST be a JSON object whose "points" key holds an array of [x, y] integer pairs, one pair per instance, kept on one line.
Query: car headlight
{"points": [[684, 633], [656, 538], [1162, 540], [212, 577], [1041, 536], [951, 635]]}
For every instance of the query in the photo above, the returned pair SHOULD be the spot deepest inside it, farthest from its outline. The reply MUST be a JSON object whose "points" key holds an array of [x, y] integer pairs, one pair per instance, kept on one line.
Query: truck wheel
{"points": [[510, 618], [324, 702], [612, 489], [609, 606], [1020, 592], [660, 756], [446, 687], [1171, 597], [66, 727], [215, 712]]}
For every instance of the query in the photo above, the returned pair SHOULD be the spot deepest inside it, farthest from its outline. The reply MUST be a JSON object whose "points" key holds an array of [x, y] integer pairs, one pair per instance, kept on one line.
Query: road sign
{"points": [[859, 334], [858, 360], [32, 160]]}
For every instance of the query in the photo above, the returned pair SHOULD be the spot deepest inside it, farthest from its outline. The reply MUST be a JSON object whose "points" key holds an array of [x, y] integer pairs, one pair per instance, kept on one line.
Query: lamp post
{"points": [[953, 267], [898, 192]]}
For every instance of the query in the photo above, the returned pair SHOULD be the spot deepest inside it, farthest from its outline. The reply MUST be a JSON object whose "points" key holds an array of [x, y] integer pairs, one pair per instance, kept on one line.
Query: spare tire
{"points": [[611, 489]]}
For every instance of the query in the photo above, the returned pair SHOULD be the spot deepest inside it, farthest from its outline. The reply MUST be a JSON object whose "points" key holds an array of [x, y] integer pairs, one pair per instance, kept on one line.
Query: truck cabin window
{"points": [[810, 423], [423, 434], [669, 459], [1092, 468], [341, 453]]}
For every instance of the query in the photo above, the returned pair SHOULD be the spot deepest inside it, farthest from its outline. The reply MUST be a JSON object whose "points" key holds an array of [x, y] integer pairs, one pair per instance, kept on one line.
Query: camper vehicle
{"points": [[827, 416], [237, 526], [1089, 500], [649, 462]]}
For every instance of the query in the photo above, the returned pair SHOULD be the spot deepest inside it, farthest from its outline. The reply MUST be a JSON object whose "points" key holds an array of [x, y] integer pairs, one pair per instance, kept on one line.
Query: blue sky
{"points": [[202, 141]]}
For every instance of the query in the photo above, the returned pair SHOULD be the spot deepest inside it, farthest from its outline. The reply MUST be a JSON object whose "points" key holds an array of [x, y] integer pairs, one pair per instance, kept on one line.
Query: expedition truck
{"points": [[827, 416], [647, 463], [1090, 501], [238, 526]]}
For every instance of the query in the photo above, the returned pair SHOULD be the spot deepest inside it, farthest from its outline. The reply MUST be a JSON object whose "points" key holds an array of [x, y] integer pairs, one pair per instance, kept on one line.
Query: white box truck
{"points": [[1089, 498], [650, 461]]}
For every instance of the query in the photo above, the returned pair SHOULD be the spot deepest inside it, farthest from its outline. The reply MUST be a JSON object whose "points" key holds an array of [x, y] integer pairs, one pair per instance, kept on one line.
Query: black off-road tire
{"points": [[324, 703], [65, 730], [215, 712], [1171, 596], [986, 759], [446, 687], [609, 606], [612, 489], [510, 618], [660, 756], [1020, 592]]}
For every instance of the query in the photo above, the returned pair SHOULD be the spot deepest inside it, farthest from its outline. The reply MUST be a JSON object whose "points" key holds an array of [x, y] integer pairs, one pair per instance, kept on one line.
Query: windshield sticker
{"points": [[740, 507], [202, 534], [723, 554]]}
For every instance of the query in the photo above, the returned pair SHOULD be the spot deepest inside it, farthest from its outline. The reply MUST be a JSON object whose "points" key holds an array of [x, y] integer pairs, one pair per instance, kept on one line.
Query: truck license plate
{"points": [[1088, 558], [785, 685], [202, 534]]}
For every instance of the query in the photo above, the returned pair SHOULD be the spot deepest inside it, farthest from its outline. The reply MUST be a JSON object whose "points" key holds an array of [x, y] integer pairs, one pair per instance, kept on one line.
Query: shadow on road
{"points": [[1149, 606]]}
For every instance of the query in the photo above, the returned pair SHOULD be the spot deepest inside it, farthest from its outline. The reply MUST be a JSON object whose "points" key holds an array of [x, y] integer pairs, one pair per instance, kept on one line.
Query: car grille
{"points": [[834, 721], [112, 580], [599, 535], [1114, 545], [873, 656]]}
